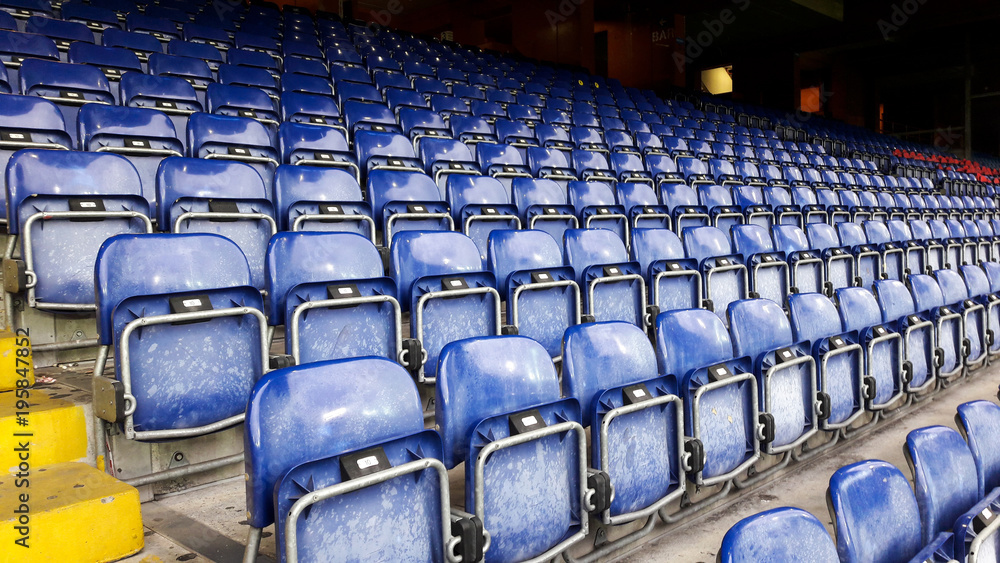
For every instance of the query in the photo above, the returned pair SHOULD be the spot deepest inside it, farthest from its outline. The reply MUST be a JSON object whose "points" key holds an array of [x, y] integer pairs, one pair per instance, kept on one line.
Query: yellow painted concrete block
{"points": [[16, 367], [68, 512], [54, 429]]}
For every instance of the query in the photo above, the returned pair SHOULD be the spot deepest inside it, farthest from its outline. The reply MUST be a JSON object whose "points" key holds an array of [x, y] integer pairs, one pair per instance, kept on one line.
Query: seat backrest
{"points": [[688, 339], [877, 232], [205, 129], [751, 239], [875, 514], [781, 534], [926, 292], [526, 192], [899, 231], [920, 229], [813, 317], [294, 184], [201, 178], [302, 257], [160, 264], [584, 194], [858, 308], [318, 410], [652, 245], [482, 377], [379, 143], [822, 236], [976, 282], [851, 234], [599, 356], [510, 251], [894, 299], [416, 254], [789, 239], [944, 477], [706, 242], [48, 78], [979, 421], [758, 326], [162, 92], [583, 248], [953, 288]]}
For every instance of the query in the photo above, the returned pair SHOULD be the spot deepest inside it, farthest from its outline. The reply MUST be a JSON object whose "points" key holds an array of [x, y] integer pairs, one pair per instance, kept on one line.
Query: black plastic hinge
{"points": [[412, 355], [508, 330], [584, 319], [871, 388], [469, 532], [766, 421], [823, 405], [696, 455], [281, 361], [906, 374], [600, 483]]}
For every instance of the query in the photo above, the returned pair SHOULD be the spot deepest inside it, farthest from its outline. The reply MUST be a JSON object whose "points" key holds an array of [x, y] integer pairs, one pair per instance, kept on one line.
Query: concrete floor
{"points": [[207, 523]]}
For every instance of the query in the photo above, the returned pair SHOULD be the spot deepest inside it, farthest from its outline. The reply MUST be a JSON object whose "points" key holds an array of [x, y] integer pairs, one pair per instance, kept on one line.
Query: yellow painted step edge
{"points": [[17, 369]]}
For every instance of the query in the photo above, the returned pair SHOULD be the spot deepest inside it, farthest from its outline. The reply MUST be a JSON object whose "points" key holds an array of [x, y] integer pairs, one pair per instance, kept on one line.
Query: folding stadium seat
{"points": [[780, 534], [974, 317], [518, 404], [914, 252], [634, 414], [224, 137], [64, 205], [949, 328], [642, 206], [844, 387], [471, 130], [480, 205], [195, 71], [323, 284], [143, 45], [978, 281], [685, 209], [316, 145], [203, 333], [978, 422], [892, 256], [212, 56], [310, 198], [725, 277], [543, 205], [628, 167], [613, 286], [886, 374], [542, 296], [210, 35], [225, 198], [323, 454], [719, 393], [69, 86], [934, 250], [311, 108], [383, 149], [591, 166], [755, 209], [257, 42], [867, 259], [920, 349], [172, 96], [595, 206], [443, 158], [768, 271], [989, 243], [96, 18], [406, 200], [805, 264], [144, 136], [29, 122], [549, 163], [720, 205], [674, 281], [302, 83], [962, 243], [785, 372], [553, 137], [502, 162], [946, 484]]}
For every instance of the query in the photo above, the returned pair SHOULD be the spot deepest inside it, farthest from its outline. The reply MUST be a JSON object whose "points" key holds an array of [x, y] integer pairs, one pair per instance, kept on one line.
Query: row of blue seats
{"points": [[783, 382], [950, 514]]}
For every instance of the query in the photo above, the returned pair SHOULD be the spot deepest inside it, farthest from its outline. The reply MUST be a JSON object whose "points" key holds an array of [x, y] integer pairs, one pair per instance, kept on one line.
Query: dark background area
{"points": [[899, 66]]}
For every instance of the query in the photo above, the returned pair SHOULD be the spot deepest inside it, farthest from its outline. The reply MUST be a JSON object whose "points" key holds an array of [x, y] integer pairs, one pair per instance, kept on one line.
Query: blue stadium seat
{"points": [[550, 163], [543, 205], [69, 86], [144, 136], [914, 252], [750, 200], [874, 513], [804, 263], [330, 458], [406, 200], [213, 196], [503, 162], [542, 296], [596, 208], [63, 33], [974, 317], [161, 28], [63, 205], [258, 59], [885, 372], [979, 422], [934, 250], [314, 109], [920, 351], [785, 371], [225, 137], [330, 293], [172, 96], [242, 101], [481, 205], [203, 334], [210, 35], [613, 286], [840, 263], [143, 45], [843, 385], [442, 284], [212, 56], [444, 158], [768, 270], [316, 145], [592, 166], [720, 205], [946, 485], [642, 206], [383, 149], [634, 414], [517, 404], [891, 254], [719, 394], [194, 71], [781, 534], [977, 282], [29, 122], [949, 330], [674, 281], [311, 198], [724, 275]]}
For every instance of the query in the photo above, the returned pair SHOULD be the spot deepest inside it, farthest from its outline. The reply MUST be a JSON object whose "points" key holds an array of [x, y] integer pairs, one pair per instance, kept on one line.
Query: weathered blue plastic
{"points": [[593, 254], [944, 477], [781, 534]]}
